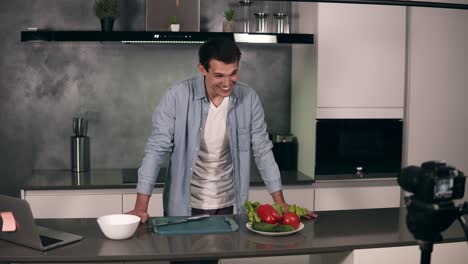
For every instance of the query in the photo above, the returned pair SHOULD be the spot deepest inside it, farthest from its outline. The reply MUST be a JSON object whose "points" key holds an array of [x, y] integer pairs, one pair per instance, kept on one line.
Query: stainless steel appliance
{"points": [[285, 151]]}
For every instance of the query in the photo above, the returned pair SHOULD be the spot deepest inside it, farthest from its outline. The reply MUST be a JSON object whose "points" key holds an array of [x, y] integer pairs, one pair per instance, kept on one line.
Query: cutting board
{"points": [[210, 225]]}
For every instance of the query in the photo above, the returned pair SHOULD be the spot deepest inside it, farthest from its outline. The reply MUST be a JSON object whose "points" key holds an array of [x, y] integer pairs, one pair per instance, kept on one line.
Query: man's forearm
{"points": [[142, 201], [278, 197]]}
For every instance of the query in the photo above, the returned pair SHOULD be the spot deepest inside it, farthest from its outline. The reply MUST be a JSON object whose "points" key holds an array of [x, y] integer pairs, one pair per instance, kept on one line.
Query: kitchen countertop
{"points": [[126, 178], [334, 231]]}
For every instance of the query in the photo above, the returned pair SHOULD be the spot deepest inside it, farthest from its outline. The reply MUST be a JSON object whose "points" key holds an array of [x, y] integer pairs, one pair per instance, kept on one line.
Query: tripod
{"points": [[427, 220]]}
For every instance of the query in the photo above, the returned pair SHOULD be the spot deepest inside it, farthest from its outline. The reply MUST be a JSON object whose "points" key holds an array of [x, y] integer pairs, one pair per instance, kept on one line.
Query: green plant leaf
{"points": [[229, 14]]}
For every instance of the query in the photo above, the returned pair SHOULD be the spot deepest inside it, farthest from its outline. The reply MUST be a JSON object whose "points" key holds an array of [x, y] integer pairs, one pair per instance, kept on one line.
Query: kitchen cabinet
{"points": [[66, 204], [330, 196], [360, 61], [61, 194], [437, 115], [322, 196], [87, 203], [98, 202], [455, 253], [155, 207], [300, 259]]}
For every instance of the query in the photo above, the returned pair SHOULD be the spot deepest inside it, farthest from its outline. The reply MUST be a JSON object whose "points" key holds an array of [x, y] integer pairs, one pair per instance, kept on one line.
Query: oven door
{"points": [[342, 145]]}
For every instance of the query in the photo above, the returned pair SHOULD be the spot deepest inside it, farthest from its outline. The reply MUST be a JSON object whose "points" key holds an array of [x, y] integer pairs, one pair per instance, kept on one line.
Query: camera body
{"points": [[433, 182], [431, 209]]}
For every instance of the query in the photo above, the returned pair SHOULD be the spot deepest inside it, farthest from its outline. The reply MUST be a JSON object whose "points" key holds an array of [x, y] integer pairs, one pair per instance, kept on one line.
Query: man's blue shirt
{"points": [[178, 123]]}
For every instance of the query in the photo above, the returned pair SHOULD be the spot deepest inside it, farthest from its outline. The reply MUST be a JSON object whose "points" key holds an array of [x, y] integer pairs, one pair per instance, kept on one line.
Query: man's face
{"points": [[220, 78]]}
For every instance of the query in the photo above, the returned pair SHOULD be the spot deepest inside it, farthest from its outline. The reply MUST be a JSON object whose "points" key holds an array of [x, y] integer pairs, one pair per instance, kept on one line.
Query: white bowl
{"points": [[118, 226]]}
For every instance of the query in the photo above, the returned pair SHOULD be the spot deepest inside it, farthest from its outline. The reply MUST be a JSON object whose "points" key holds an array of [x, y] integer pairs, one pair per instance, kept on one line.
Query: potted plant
{"points": [[228, 23], [174, 24], [107, 11]]}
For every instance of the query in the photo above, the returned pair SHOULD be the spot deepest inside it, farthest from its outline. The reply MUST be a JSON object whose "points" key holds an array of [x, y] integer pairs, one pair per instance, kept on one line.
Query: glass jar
{"points": [[246, 15], [281, 25], [261, 22]]}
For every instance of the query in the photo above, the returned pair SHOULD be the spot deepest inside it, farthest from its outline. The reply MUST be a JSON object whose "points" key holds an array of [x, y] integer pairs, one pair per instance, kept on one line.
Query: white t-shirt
{"points": [[212, 185]]}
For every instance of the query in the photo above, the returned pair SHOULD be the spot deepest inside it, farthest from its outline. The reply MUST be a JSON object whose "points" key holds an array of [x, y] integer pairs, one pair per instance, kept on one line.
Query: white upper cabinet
{"points": [[360, 61]]}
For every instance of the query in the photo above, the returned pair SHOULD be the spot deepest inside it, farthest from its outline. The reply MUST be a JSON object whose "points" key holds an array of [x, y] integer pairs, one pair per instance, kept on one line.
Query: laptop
{"points": [[27, 232]]}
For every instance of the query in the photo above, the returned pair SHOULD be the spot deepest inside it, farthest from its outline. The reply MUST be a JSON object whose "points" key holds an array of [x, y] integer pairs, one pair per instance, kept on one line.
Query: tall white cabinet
{"points": [[438, 87], [360, 61]]}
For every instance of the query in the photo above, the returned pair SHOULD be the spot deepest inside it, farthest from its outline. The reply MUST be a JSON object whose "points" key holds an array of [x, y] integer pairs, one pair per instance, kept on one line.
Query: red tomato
{"points": [[291, 219]]}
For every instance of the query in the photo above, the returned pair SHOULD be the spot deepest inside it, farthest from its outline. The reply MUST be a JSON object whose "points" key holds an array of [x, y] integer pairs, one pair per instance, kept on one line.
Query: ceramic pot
{"points": [[228, 26], [175, 27], [107, 23]]}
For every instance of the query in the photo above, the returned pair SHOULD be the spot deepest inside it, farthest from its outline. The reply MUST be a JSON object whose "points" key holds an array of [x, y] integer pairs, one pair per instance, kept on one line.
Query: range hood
{"points": [[163, 37], [158, 15]]}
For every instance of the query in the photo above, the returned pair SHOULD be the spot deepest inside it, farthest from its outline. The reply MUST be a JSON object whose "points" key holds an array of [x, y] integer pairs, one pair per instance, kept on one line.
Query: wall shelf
{"points": [[386, 2], [144, 37]]}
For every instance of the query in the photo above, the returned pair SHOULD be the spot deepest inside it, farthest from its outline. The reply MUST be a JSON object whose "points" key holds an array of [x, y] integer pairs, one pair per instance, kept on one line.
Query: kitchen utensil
{"points": [[80, 126], [80, 153], [245, 19], [210, 225], [281, 23], [118, 226], [261, 22], [192, 218], [249, 227]]}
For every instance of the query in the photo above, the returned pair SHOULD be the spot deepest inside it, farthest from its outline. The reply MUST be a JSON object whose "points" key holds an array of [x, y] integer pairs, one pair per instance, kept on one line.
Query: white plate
{"points": [[249, 227]]}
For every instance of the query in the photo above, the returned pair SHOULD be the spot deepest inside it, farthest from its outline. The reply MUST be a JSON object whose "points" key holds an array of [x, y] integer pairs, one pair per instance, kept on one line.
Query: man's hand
{"points": [[278, 198], [311, 215], [141, 213], [141, 207]]}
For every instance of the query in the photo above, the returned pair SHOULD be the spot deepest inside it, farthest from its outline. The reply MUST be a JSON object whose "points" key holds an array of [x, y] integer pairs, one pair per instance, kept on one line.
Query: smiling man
{"points": [[209, 125]]}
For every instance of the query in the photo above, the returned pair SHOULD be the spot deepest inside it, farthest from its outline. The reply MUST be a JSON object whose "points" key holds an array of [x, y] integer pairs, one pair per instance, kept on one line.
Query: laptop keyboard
{"points": [[47, 241]]}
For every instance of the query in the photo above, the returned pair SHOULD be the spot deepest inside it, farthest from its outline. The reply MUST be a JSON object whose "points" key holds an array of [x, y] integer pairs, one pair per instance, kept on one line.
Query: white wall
{"points": [[437, 87]]}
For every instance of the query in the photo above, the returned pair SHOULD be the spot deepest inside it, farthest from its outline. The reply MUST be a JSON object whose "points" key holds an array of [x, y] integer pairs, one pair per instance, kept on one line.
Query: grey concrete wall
{"points": [[44, 85]]}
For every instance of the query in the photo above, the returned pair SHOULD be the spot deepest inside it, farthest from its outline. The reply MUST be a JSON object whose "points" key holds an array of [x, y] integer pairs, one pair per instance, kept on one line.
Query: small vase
{"points": [[228, 26], [175, 27], [107, 23]]}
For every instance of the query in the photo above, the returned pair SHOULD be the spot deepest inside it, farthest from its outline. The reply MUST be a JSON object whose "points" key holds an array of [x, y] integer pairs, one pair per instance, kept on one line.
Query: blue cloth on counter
{"points": [[178, 123]]}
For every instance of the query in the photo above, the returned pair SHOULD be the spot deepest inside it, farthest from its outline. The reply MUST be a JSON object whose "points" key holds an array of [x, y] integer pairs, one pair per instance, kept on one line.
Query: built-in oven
{"points": [[350, 146]]}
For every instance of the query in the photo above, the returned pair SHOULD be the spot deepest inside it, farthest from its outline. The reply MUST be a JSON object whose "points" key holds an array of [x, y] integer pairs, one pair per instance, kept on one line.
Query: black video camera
{"points": [[431, 209], [433, 182]]}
